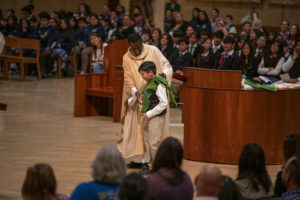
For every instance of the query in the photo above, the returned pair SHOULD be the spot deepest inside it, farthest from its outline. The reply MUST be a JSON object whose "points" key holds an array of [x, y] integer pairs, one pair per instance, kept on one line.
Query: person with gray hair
{"points": [[108, 169], [209, 183]]}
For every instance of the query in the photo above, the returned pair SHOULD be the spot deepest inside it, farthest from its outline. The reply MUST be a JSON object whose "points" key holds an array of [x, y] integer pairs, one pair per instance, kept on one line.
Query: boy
{"points": [[217, 42], [154, 108], [228, 60], [180, 59]]}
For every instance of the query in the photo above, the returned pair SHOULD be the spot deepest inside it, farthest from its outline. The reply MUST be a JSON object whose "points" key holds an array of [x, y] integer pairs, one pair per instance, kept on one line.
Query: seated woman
{"points": [[205, 57], [246, 61], [40, 184], [253, 179], [155, 37], [180, 24], [166, 45], [98, 53], [271, 64], [108, 169], [167, 180]]}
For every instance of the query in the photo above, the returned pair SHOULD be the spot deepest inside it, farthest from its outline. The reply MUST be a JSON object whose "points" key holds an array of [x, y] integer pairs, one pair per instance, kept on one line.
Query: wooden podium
{"points": [[220, 118]]}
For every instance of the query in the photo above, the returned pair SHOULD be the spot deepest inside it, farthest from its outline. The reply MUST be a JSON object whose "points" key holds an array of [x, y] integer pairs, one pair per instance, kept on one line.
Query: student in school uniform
{"points": [[228, 59], [179, 60]]}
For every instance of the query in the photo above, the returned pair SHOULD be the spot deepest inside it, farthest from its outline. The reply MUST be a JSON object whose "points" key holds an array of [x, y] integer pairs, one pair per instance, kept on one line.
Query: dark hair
{"points": [[145, 32], [134, 37], [294, 169], [133, 186], [288, 23], [39, 183], [247, 22], [217, 10], [27, 9], [252, 167], [230, 190], [228, 39], [206, 16], [86, 8], [280, 45], [230, 16], [12, 11], [169, 155], [44, 15], [82, 19], [159, 32], [219, 34], [33, 19], [291, 145], [242, 62], [183, 40], [170, 41], [148, 66], [178, 33]]}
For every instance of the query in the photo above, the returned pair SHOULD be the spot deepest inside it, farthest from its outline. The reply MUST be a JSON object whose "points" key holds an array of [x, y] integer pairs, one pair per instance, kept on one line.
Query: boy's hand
{"points": [[145, 116]]}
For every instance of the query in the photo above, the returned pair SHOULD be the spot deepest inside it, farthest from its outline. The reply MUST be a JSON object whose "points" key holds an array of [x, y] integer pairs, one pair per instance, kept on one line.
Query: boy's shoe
{"points": [[134, 165], [144, 171]]}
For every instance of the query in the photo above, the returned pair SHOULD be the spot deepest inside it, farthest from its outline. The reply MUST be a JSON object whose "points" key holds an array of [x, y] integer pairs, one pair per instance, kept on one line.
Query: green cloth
{"points": [[259, 86], [150, 87]]}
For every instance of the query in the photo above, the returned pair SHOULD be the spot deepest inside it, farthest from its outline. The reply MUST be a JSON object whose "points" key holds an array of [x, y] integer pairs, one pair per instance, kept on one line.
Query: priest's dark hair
{"points": [[134, 37], [148, 66]]}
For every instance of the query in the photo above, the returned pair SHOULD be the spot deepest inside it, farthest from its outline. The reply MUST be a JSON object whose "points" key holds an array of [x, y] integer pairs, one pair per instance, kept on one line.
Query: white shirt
{"points": [[161, 93], [162, 96], [265, 70], [215, 48]]}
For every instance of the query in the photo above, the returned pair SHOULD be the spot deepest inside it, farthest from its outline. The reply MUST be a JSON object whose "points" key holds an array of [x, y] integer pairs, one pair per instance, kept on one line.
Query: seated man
{"points": [[209, 183], [292, 65], [228, 60], [179, 59], [291, 178]]}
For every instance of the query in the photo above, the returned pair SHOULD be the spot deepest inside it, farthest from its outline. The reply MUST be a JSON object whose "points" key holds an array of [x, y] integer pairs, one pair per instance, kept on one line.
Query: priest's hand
{"points": [[163, 75], [138, 97]]}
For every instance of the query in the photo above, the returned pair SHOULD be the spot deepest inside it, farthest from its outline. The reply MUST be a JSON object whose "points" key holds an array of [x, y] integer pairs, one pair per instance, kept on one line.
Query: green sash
{"points": [[150, 87]]}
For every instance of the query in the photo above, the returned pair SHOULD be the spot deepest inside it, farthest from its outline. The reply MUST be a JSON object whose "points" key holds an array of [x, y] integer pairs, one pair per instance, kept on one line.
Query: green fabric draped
{"points": [[150, 87]]}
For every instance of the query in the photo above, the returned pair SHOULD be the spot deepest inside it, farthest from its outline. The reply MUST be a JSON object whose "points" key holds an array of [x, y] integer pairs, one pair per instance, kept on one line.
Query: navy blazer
{"points": [[179, 62], [230, 63]]}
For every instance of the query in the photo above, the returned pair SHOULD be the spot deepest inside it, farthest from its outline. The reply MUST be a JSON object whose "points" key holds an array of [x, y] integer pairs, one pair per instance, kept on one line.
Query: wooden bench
{"points": [[20, 44], [101, 94]]}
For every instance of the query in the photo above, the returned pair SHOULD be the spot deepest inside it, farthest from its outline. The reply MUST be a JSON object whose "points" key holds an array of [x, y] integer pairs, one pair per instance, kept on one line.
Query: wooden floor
{"points": [[39, 127]]}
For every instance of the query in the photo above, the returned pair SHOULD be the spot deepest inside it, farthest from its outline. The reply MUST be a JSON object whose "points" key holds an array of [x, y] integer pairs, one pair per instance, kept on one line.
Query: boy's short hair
{"points": [[178, 33], [229, 39], [183, 40], [27, 9], [230, 17], [83, 19], [145, 32], [219, 34], [44, 15], [33, 19], [148, 66]]}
